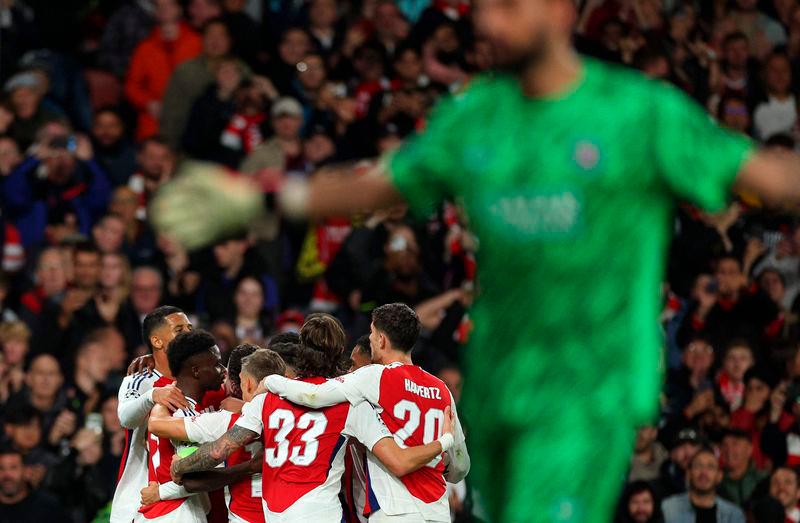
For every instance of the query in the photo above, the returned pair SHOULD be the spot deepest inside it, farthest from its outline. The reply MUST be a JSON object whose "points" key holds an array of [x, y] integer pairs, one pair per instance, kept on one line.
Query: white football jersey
{"points": [[135, 401]]}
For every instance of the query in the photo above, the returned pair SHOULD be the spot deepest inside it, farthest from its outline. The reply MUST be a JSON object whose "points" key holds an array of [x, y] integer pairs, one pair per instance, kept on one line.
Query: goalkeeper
{"points": [[569, 170]]}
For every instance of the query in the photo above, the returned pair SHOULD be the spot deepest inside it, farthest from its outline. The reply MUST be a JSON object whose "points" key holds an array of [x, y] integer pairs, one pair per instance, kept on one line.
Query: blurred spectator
{"points": [[126, 28], [200, 12], [639, 504], [113, 150], [10, 155], [25, 92], [50, 283], [19, 502], [323, 18], [672, 479], [14, 341], [85, 387], [689, 388], [763, 32], [57, 191], [250, 322], [401, 278], [284, 150], [730, 308], [44, 392], [171, 43], [734, 114], [109, 234], [234, 261], [319, 147], [18, 32], [147, 287], [737, 70], [245, 31], [191, 79], [741, 478], [294, 45], [779, 113], [390, 26], [156, 165], [23, 431], [701, 502], [783, 486], [738, 358], [648, 456]]}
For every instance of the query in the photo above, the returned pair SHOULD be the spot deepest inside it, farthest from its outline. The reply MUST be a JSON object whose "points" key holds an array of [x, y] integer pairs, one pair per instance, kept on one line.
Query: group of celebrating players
{"points": [[286, 433]]}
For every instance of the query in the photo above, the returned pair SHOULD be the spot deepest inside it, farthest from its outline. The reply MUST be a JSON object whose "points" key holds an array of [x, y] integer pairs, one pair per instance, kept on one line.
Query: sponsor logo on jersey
{"points": [[544, 214]]}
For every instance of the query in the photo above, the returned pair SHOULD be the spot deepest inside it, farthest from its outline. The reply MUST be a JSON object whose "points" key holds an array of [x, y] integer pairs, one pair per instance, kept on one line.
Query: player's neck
{"points": [[190, 387], [554, 75], [162, 365], [396, 356]]}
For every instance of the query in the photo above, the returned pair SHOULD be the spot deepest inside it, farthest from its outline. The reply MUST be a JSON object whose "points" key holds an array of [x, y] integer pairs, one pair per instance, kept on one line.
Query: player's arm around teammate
{"points": [[209, 455], [353, 388], [163, 425]]}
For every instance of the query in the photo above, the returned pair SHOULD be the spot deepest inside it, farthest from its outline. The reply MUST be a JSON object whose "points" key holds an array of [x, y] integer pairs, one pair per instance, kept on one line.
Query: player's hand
{"points": [[254, 465], [144, 363], [447, 426], [173, 470], [150, 494], [170, 397], [232, 404], [203, 203]]}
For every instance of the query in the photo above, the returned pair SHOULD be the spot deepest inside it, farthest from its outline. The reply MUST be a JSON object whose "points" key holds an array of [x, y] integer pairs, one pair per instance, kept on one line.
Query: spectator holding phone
{"points": [[58, 189]]}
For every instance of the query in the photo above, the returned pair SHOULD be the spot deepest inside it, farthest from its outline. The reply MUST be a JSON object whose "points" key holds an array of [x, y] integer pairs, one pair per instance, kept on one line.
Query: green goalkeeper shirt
{"points": [[572, 200]]}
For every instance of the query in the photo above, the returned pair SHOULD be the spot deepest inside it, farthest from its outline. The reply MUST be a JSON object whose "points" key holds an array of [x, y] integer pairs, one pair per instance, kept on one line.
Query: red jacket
{"points": [[152, 63]]}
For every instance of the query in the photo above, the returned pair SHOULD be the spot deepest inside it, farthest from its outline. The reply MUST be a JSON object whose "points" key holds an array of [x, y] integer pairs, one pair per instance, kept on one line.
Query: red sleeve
{"points": [[136, 81]]}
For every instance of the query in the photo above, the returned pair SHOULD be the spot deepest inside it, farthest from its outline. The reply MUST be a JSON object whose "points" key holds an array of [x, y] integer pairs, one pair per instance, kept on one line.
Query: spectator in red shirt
{"points": [[171, 43]]}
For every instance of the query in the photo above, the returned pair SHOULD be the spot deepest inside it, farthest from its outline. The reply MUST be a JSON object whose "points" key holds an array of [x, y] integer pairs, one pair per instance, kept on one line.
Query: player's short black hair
{"points": [[283, 337], [399, 323], [22, 414], [288, 351], [363, 345], [235, 360], [322, 343], [156, 319], [187, 345]]}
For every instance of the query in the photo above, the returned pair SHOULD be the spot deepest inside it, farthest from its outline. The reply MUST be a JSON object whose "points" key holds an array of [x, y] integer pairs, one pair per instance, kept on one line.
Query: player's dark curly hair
{"points": [[399, 323], [283, 337], [185, 346], [288, 351], [322, 342], [235, 363]]}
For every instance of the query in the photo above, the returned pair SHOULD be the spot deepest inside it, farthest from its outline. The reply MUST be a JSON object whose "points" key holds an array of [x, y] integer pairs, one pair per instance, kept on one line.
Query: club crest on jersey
{"points": [[586, 155]]}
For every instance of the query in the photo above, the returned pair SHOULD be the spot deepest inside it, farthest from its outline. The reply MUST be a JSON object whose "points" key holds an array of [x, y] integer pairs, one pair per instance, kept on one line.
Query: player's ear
{"points": [[156, 343]]}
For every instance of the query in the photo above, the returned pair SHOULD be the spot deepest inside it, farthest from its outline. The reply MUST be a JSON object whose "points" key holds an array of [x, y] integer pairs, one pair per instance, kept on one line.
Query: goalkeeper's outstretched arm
{"points": [[339, 191], [774, 176]]}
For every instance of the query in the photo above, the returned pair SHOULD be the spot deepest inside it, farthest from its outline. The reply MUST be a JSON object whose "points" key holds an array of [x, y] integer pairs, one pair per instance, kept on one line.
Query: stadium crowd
{"points": [[103, 101]]}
